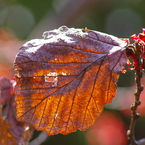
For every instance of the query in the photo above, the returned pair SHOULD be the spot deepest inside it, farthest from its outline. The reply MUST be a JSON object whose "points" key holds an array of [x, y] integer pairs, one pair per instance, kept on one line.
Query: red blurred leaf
{"points": [[12, 131], [123, 103], [109, 129], [9, 46], [65, 79]]}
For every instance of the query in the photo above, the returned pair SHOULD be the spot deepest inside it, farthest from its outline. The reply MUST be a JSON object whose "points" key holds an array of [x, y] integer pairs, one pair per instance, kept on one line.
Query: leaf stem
{"points": [[137, 102]]}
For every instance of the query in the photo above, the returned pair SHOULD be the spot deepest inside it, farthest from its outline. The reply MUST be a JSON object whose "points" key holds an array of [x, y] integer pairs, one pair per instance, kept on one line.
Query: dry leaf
{"points": [[13, 132], [65, 79], [6, 137], [5, 87]]}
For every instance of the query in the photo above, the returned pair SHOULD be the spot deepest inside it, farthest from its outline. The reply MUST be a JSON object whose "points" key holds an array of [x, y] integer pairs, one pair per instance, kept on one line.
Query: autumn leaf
{"points": [[65, 79], [6, 137], [13, 132], [5, 88]]}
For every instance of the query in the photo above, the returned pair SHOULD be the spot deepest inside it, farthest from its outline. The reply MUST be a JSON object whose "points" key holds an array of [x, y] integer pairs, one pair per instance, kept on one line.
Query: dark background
{"points": [[22, 20]]}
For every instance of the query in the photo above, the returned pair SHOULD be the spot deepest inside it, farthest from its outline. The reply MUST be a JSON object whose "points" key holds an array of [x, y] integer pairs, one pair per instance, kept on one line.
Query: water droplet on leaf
{"points": [[56, 115], [63, 28], [64, 74]]}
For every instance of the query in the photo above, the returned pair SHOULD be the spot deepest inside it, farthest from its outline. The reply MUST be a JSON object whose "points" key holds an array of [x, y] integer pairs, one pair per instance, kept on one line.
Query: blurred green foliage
{"points": [[119, 18], [37, 7]]}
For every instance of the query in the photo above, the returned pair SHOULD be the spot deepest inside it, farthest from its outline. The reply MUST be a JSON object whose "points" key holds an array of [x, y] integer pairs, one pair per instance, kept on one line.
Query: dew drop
{"points": [[49, 34], [56, 115], [18, 75], [64, 74], [18, 71], [26, 128]]}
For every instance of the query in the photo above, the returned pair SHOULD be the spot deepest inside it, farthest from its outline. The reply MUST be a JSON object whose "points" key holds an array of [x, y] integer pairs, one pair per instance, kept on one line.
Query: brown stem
{"points": [[139, 88]]}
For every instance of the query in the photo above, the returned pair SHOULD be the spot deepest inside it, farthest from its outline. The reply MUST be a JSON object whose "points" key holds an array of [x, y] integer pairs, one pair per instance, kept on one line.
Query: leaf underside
{"points": [[65, 79]]}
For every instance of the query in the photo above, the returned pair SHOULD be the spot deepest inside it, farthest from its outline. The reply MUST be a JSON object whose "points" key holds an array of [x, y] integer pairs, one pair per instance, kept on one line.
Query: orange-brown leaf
{"points": [[65, 79], [6, 137]]}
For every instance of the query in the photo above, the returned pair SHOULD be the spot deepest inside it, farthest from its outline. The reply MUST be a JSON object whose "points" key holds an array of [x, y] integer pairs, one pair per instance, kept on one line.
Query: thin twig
{"points": [[137, 102]]}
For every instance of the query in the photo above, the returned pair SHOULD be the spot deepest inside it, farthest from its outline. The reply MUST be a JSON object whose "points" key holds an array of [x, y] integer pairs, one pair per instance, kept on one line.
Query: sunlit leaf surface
{"points": [[65, 79]]}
